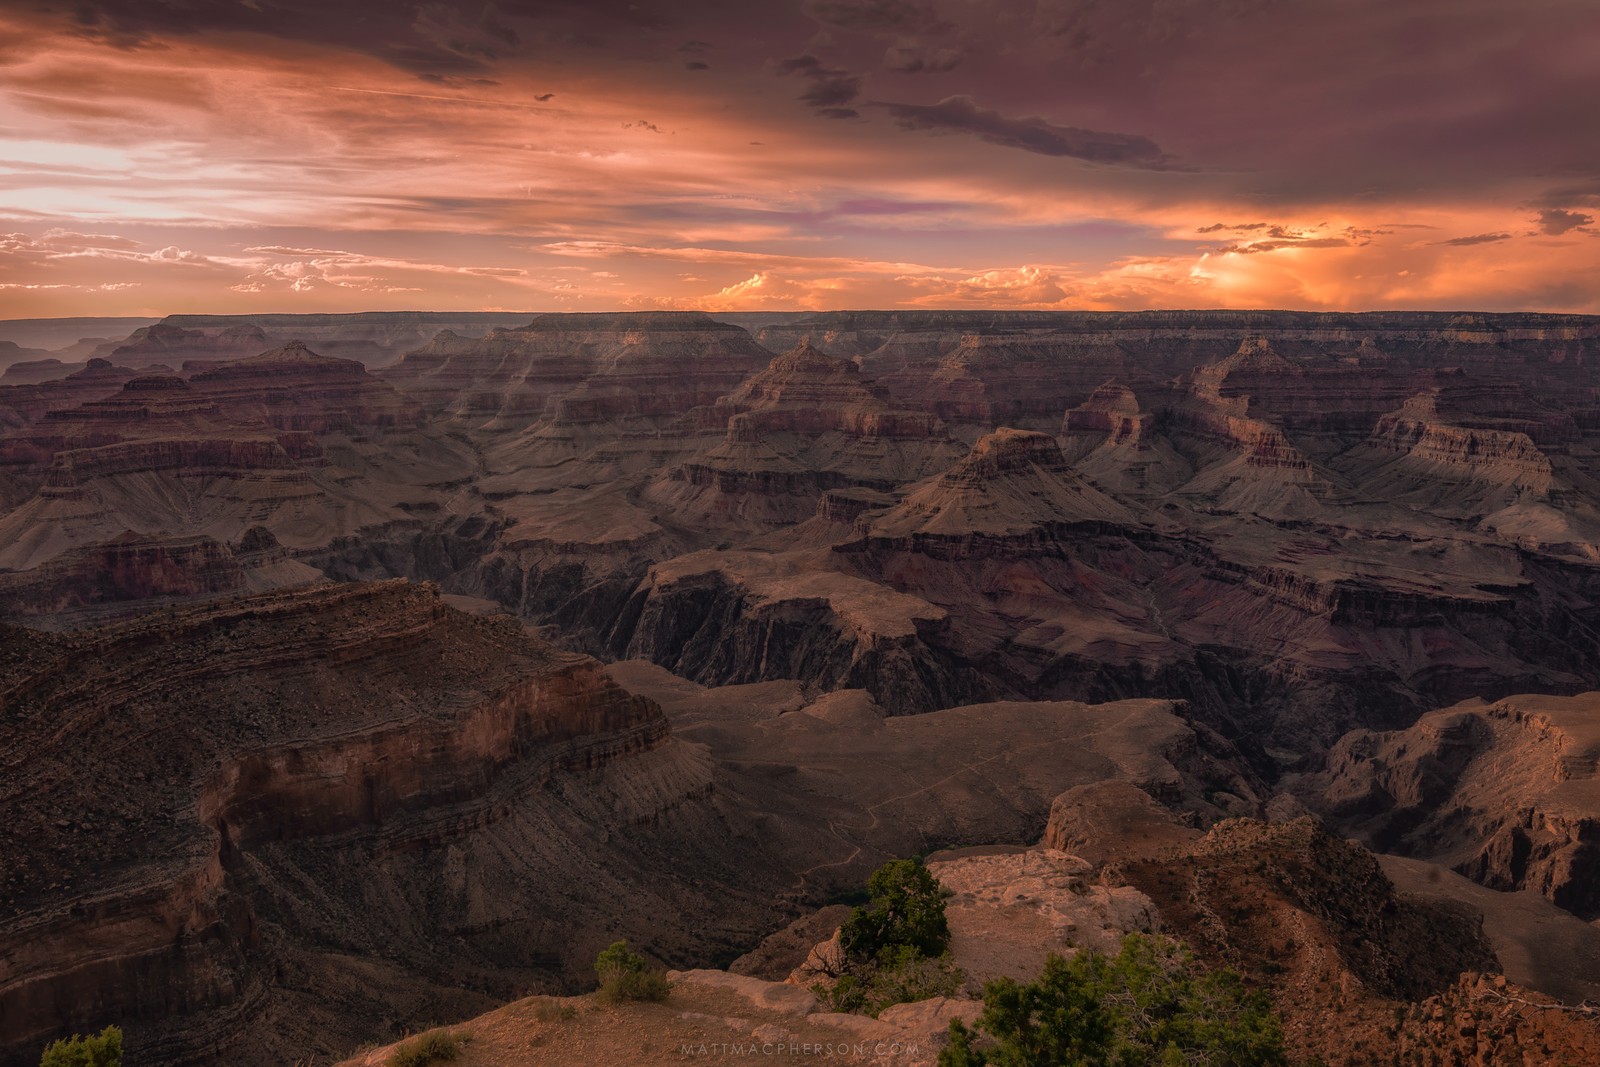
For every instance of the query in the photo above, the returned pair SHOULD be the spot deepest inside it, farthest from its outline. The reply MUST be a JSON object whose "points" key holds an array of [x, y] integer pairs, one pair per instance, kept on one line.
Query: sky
{"points": [[236, 156]]}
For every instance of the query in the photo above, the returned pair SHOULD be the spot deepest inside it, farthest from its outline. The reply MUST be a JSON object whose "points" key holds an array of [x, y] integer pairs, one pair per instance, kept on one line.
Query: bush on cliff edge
{"points": [[894, 949], [1152, 1003], [625, 975], [97, 1050]]}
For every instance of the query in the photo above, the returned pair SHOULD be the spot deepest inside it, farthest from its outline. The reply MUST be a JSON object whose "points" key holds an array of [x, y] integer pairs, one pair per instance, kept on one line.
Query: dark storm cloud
{"points": [[961, 114], [1581, 195], [873, 16], [833, 91], [910, 59], [1557, 221], [1477, 239], [831, 87], [1309, 101], [439, 39]]}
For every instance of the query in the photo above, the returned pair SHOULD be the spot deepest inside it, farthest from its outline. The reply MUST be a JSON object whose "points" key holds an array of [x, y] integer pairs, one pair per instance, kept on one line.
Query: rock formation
{"points": [[23, 404], [346, 804], [309, 448], [575, 368], [13, 354], [174, 345], [899, 581], [34, 371], [806, 424], [1014, 484], [1506, 793], [375, 339], [256, 749]]}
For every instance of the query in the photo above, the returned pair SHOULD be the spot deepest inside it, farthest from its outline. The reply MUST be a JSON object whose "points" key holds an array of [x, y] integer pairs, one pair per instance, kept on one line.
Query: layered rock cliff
{"points": [[159, 848], [173, 345], [576, 368], [1014, 484], [280, 825], [308, 447], [807, 424], [374, 338], [1506, 793], [910, 543]]}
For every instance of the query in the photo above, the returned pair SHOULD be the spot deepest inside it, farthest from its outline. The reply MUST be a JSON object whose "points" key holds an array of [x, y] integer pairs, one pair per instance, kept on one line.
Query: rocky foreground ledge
{"points": [[1286, 904]]}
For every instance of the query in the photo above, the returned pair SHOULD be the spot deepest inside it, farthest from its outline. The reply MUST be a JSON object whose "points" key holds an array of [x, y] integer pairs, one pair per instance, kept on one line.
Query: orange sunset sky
{"points": [[165, 156]]}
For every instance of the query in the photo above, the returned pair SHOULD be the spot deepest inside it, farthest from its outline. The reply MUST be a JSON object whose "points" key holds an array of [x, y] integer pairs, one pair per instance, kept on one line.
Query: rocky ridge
{"points": [[347, 804], [1506, 793], [238, 735]]}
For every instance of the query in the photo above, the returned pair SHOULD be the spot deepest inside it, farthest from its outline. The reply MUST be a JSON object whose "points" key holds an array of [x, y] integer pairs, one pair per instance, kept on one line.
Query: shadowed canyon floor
{"points": [[749, 611]]}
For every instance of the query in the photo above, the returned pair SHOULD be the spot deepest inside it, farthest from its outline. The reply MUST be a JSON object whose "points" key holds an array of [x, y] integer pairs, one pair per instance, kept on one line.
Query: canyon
{"points": [[338, 652]]}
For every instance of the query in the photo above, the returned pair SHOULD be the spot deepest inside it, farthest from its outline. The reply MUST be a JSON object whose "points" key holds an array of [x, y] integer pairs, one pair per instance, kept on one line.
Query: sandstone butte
{"points": [[364, 673]]}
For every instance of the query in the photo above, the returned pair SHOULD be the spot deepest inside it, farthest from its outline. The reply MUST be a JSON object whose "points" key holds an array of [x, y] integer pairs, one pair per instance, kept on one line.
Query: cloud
{"points": [[302, 276], [429, 40], [1294, 242], [209, 126], [495, 272], [66, 239], [1556, 221], [1476, 239], [280, 250], [910, 59], [63, 246], [873, 16], [1016, 285], [314, 269], [760, 289], [439, 40], [831, 87], [961, 114], [744, 260], [1583, 194], [33, 287]]}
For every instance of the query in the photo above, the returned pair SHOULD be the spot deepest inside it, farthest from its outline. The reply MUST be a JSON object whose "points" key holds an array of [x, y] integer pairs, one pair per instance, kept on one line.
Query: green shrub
{"points": [[905, 908], [1152, 1003], [436, 1046], [96, 1050], [897, 976], [894, 947], [626, 975]]}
